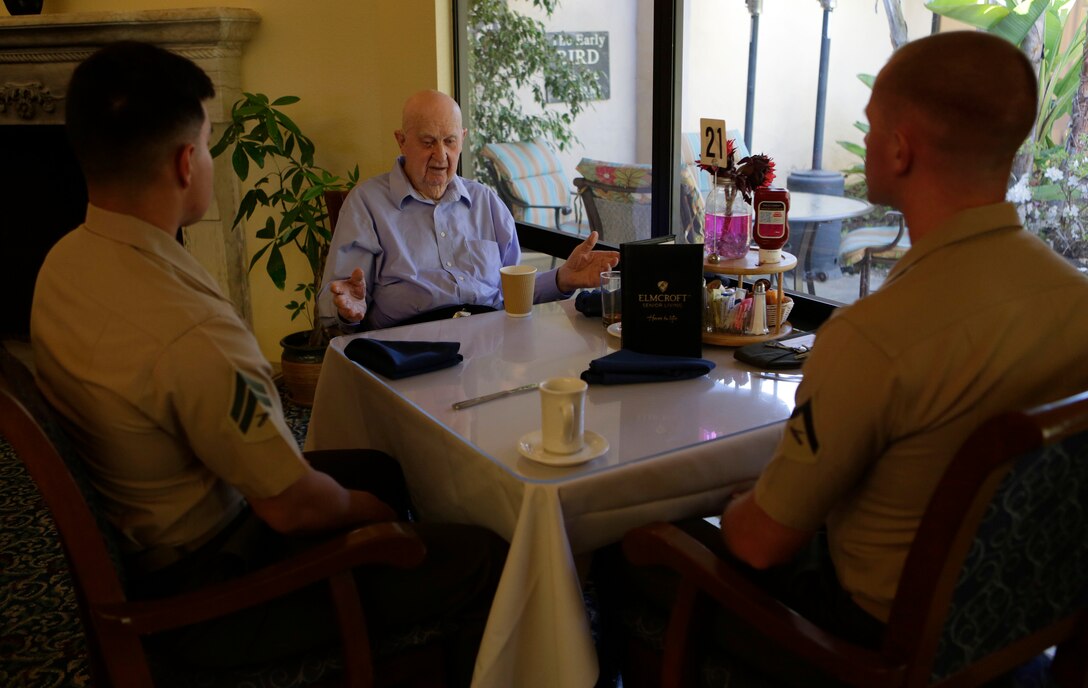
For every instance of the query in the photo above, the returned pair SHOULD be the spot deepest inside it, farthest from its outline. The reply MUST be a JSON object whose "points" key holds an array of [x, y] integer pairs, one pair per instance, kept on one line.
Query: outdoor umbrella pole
{"points": [[821, 88], [754, 8]]}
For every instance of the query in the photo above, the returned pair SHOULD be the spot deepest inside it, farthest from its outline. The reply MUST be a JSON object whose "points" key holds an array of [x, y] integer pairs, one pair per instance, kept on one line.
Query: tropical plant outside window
{"points": [[510, 55], [1050, 184]]}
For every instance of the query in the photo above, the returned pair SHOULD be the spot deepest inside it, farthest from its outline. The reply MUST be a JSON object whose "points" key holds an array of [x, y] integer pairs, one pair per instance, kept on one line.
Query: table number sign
{"points": [[712, 150], [662, 298]]}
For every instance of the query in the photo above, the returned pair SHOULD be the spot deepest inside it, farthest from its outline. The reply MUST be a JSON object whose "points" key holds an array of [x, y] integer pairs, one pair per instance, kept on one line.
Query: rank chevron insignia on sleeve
{"points": [[251, 408], [799, 442]]}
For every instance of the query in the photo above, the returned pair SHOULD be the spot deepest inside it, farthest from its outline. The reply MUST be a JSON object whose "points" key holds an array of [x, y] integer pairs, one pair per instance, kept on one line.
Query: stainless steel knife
{"points": [[496, 395]]}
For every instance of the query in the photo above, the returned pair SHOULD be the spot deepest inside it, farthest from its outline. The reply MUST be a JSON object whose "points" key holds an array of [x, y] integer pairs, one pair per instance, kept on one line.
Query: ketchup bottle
{"points": [[772, 227]]}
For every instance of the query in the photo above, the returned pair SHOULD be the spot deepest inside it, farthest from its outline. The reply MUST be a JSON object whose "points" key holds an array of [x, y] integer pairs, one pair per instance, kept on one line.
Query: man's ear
{"points": [[400, 137], [902, 153], [183, 165]]}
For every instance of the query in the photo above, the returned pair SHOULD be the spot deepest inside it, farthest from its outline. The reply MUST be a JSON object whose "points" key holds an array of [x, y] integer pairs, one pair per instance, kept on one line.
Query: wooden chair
{"points": [[997, 573], [114, 624], [334, 201]]}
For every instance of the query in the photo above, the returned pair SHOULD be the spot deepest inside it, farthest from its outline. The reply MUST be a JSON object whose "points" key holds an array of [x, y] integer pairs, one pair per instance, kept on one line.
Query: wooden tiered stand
{"points": [[750, 265]]}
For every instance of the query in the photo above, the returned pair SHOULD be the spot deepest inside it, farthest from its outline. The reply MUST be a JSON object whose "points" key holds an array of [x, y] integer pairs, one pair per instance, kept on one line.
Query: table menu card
{"points": [[662, 298]]}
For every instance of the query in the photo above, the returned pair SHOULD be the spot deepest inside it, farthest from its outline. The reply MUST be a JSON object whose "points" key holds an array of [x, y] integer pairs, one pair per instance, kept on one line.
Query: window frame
{"points": [[668, 45]]}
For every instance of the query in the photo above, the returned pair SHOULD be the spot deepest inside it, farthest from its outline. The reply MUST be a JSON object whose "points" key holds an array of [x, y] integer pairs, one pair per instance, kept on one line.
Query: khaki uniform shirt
{"points": [[163, 385], [978, 318]]}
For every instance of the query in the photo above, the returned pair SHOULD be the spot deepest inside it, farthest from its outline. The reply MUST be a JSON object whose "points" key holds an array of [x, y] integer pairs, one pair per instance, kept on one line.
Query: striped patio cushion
{"points": [[532, 175], [853, 245]]}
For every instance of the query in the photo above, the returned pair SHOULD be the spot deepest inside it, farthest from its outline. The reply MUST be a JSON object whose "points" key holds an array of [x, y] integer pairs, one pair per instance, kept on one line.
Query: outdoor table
{"points": [[676, 449], [807, 212]]}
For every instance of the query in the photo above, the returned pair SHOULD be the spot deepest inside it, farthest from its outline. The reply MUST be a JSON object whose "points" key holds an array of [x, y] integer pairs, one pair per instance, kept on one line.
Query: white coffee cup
{"points": [[518, 282], [562, 410]]}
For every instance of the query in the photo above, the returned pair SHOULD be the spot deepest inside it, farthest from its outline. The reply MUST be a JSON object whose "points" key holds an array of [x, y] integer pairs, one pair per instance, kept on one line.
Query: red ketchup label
{"points": [[771, 228]]}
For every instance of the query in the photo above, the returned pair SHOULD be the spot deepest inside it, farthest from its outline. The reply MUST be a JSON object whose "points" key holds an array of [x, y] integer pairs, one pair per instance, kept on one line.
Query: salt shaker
{"points": [[757, 323]]}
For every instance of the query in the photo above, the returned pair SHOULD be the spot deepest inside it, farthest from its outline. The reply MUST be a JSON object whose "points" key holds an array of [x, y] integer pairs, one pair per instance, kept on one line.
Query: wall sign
{"points": [[589, 51]]}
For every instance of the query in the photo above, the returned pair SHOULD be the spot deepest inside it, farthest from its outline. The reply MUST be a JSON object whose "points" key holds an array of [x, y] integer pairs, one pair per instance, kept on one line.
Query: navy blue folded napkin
{"points": [[625, 367], [395, 360], [588, 303]]}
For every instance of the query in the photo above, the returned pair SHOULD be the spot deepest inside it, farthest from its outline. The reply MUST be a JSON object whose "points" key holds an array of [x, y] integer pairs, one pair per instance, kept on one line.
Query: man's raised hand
{"points": [[349, 297]]}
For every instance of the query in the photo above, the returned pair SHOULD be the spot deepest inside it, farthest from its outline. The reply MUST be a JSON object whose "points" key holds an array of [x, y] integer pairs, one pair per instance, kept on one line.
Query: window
{"points": [[671, 62]]}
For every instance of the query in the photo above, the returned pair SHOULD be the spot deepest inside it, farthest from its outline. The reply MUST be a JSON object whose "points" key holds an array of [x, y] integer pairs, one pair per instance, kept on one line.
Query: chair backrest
{"points": [[692, 207], [998, 571], [617, 198], [89, 541], [531, 180], [334, 201]]}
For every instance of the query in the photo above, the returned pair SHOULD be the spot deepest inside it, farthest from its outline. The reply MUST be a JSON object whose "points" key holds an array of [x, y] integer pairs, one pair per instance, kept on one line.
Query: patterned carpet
{"points": [[41, 639]]}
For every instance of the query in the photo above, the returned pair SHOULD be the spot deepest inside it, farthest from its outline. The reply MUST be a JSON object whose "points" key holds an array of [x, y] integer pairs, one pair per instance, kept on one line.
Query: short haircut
{"points": [[973, 94], [128, 105]]}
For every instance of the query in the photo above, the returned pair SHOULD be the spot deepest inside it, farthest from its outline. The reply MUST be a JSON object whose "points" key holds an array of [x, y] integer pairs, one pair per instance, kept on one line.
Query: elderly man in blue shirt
{"points": [[420, 238]]}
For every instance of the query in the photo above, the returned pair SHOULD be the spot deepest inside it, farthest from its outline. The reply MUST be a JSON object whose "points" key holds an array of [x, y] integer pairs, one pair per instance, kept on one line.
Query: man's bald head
{"points": [[968, 94], [427, 105], [430, 138]]}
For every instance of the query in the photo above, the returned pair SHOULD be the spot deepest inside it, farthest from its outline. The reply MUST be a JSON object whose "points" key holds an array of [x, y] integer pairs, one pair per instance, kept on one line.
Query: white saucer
{"points": [[615, 329], [531, 446]]}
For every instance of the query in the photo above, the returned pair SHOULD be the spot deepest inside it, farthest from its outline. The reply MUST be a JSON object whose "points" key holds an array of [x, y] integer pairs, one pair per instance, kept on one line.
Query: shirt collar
{"points": [[402, 188], [147, 238], [963, 226]]}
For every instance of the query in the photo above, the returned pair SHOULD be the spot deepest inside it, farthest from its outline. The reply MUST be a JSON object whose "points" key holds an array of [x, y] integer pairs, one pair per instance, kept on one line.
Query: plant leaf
{"points": [[275, 267], [240, 161], [853, 148]]}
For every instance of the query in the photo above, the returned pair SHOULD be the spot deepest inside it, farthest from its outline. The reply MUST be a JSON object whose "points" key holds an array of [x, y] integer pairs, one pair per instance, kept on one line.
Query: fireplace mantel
{"points": [[39, 52]]}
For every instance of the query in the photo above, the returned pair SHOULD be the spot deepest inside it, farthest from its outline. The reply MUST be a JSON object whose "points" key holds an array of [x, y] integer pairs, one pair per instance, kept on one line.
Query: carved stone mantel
{"points": [[39, 52]]}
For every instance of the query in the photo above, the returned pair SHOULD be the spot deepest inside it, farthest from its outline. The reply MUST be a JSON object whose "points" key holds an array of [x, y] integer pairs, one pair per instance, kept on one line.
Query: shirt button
{"points": [[441, 234], [449, 264], [460, 278]]}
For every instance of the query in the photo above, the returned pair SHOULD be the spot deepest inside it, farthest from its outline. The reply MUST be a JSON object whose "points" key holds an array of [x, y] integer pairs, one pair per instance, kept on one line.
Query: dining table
{"points": [[660, 451], [807, 212]]}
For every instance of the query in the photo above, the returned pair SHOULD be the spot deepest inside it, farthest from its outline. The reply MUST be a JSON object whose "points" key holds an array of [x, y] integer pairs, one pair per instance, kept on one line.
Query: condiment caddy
{"points": [[732, 311]]}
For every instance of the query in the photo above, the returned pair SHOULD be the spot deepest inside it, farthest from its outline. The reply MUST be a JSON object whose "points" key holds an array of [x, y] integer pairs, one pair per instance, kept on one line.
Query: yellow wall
{"points": [[352, 62]]}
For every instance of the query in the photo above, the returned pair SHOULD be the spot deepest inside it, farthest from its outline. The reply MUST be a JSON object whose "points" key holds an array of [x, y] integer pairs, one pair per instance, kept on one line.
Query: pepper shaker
{"points": [[757, 323]]}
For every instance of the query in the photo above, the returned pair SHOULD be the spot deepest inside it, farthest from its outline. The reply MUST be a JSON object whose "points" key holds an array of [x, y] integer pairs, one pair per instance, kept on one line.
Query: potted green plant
{"points": [[292, 189]]}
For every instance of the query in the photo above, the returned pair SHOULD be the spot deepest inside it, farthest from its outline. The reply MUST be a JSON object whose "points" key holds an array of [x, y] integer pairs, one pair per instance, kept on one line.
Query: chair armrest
{"points": [[582, 183], [898, 216], [664, 544], [381, 543], [524, 204]]}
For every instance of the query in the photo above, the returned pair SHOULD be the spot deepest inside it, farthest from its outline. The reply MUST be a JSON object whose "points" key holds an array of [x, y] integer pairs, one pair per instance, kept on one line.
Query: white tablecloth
{"points": [[677, 449]]}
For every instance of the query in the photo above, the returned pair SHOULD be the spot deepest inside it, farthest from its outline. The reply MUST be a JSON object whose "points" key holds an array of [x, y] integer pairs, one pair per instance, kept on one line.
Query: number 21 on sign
{"points": [[712, 151]]}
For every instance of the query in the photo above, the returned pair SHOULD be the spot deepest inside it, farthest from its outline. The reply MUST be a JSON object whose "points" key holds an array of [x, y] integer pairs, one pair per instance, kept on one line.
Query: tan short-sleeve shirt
{"points": [[978, 318], [163, 385]]}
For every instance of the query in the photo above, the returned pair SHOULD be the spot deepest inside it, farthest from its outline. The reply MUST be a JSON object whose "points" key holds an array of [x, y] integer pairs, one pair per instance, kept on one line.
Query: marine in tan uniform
{"points": [[978, 318], [170, 395], [173, 405]]}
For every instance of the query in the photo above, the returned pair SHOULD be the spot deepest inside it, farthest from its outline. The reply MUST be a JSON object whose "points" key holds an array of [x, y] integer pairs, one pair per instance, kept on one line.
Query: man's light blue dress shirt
{"points": [[419, 255]]}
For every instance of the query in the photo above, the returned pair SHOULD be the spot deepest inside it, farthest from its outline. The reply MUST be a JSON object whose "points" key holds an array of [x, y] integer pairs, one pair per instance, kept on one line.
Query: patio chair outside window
{"points": [[617, 199], [867, 246], [532, 184]]}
